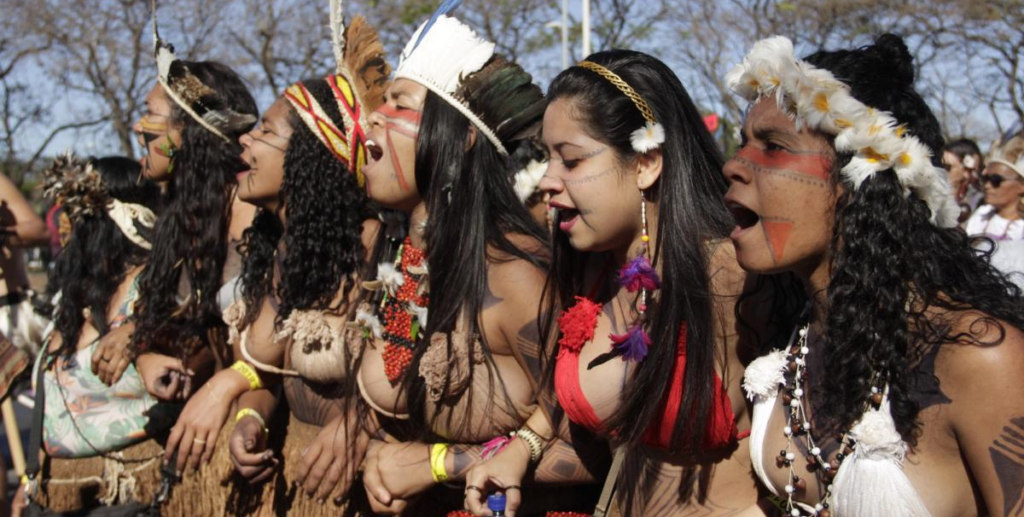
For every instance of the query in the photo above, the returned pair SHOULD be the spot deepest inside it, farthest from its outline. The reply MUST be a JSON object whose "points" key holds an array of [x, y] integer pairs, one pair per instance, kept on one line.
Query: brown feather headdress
{"points": [[359, 82]]}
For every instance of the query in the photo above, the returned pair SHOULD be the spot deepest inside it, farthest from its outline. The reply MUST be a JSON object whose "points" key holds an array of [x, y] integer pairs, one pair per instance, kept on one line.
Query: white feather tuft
{"points": [[369, 321], [763, 376], [390, 277], [871, 480]]}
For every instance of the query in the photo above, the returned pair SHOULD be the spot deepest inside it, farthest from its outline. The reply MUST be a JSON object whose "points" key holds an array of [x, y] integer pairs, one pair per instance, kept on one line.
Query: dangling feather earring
{"points": [[638, 275]]}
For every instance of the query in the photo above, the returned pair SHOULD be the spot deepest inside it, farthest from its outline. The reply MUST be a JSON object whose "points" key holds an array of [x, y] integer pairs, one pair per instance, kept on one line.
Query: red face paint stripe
{"points": [[810, 164], [408, 115], [395, 163]]}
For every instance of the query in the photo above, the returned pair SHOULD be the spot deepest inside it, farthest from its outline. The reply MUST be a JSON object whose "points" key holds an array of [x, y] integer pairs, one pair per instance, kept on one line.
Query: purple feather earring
{"points": [[637, 275]]}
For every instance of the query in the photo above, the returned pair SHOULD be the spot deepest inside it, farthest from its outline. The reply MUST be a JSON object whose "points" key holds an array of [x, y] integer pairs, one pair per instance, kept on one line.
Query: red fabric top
{"points": [[577, 325]]}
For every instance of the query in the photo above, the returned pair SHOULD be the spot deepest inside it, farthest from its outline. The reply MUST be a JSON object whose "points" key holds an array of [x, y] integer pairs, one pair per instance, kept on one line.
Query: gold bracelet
{"points": [[533, 442], [250, 374], [248, 411], [438, 453]]}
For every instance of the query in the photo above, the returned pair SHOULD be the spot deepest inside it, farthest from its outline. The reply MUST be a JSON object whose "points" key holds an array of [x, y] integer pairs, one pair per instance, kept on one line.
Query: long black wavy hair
{"points": [[325, 211], [192, 235], [472, 207], [97, 255], [891, 268], [690, 213]]}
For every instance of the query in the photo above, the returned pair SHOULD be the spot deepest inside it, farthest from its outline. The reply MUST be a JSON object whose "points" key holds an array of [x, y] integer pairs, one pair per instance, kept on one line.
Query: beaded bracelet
{"points": [[533, 442]]}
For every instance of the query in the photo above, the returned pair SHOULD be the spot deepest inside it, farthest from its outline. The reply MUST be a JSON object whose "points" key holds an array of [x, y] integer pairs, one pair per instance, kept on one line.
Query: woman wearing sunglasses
{"points": [[1003, 182]]}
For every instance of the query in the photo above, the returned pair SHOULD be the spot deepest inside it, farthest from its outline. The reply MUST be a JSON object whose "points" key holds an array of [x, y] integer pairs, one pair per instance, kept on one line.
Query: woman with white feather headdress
{"points": [[454, 366]]}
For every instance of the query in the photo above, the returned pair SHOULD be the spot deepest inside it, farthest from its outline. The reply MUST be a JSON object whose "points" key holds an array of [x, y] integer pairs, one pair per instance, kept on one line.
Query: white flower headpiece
{"points": [[652, 134], [877, 141]]}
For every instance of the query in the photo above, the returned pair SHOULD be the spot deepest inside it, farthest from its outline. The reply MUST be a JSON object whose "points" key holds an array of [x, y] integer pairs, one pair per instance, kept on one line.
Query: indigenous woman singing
{"points": [[466, 253], [309, 240], [901, 393], [648, 351], [176, 338]]}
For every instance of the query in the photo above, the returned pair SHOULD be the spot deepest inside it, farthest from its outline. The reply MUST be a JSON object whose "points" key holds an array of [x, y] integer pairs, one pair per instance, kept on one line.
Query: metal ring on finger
{"points": [[200, 441], [476, 488]]}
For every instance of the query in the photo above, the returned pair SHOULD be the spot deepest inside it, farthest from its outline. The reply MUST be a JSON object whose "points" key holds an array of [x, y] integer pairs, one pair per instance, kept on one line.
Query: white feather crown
{"points": [[442, 59], [877, 141]]}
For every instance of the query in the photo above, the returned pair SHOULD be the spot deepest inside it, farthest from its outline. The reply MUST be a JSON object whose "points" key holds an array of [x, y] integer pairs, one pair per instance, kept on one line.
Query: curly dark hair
{"points": [[97, 256], [891, 268], [325, 211], [689, 198], [192, 235]]}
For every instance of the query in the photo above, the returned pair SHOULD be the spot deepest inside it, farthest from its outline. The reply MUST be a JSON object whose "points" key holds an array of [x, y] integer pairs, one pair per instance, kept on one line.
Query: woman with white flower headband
{"points": [[649, 353], [900, 394]]}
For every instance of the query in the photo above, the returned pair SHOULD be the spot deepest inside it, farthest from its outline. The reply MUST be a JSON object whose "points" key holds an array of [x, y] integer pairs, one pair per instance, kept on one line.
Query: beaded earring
{"points": [[637, 275]]}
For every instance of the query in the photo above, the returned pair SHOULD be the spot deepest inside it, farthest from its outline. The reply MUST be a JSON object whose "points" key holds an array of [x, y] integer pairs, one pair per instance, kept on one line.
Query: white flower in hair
{"points": [[369, 321], [648, 138], [390, 277]]}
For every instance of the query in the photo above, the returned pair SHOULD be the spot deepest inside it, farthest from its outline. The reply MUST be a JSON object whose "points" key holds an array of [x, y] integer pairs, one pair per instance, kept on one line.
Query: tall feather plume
{"points": [[363, 62], [337, 21]]}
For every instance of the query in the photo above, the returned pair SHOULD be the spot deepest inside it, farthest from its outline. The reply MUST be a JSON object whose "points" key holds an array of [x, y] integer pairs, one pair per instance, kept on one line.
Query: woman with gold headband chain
{"points": [[649, 353], [451, 319], [901, 393]]}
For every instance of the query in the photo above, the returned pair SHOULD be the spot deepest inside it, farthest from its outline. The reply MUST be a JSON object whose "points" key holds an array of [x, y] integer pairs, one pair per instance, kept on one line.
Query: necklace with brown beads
{"points": [[798, 426]]}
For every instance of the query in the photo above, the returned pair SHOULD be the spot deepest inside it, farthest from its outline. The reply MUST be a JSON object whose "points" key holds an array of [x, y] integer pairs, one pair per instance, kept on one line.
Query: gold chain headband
{"points": [[647, 138]]}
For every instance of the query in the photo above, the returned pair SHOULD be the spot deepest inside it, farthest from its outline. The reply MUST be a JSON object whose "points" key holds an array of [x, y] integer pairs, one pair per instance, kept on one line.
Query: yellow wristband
{"points": [[249, 373], [24, 479], [244, 412], [438, 453]]}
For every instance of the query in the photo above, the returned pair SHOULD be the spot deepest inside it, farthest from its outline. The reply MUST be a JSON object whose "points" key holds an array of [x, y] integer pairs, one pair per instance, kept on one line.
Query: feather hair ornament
{"points": [[358, 86], [199, 100], [77, 186], [875, 139]]}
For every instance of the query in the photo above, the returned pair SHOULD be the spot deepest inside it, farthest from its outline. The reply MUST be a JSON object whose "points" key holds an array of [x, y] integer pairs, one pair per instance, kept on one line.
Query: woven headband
{"points": [[644, 139], [347, 148]]}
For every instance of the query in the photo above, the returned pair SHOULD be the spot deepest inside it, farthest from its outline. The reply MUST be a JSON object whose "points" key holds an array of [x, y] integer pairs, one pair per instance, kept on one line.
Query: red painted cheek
{"points": [[814, 165], [776, 233]]}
